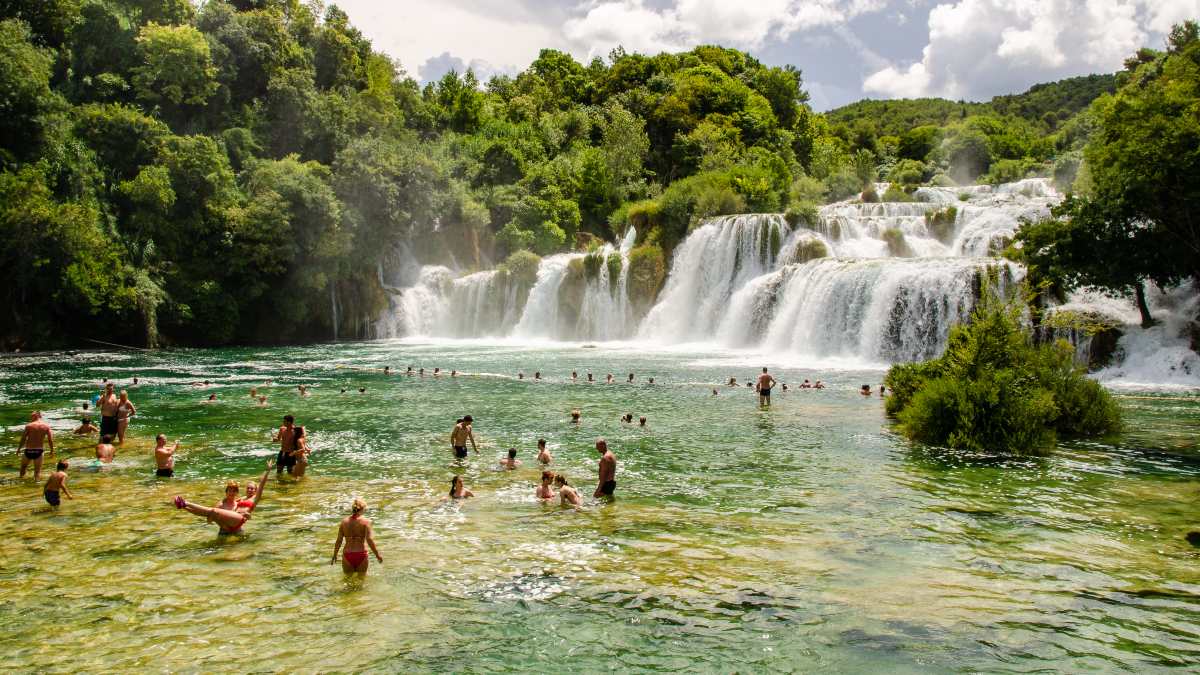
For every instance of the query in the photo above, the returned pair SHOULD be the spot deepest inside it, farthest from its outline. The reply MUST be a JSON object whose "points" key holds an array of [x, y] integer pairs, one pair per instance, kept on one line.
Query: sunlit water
{"points": [[808, 537]]}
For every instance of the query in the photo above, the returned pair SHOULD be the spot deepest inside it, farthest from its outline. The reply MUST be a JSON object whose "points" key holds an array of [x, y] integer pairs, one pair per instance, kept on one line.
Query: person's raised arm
{"points": [[262, 483], [371, 542], [337, 545]]}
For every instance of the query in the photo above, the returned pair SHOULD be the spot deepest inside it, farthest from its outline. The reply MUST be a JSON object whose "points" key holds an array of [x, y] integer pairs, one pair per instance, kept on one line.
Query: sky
{"points": [[847, 49]]}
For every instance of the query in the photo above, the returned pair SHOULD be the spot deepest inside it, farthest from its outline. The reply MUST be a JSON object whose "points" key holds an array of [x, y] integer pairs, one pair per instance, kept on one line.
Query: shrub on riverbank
{"points": [[995, 391]]}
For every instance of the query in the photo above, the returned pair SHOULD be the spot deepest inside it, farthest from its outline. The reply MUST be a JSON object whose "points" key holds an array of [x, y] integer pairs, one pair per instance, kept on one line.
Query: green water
{"points": [[806, 538]]}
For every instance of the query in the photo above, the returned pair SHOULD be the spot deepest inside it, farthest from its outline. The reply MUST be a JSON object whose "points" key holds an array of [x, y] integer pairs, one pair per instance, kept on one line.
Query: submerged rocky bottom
{"points": [[805, 537]]}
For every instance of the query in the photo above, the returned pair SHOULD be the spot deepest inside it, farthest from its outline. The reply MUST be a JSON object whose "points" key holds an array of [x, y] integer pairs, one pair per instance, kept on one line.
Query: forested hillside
{"points": [[228, 174]]}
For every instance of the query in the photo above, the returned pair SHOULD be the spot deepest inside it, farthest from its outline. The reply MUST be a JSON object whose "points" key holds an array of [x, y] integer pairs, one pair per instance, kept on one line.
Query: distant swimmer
{"points": [[714, 392], [590, 377], [454, 373], [733, 382], [818, 385], [609, 379], [575, 415], [164, 457], [303, 390], [460, 435], [458, 490], [86, 428], [362, 390], [212, 398], [409, 371], [357, 533], [387, 370], [105, 452], [574, 376], [262, 401], [546, 489], [567, 495], [36, 438], [108, 411], [437, 372], [882, 389], [607, 481], [253, 392], [544, 455], [230, 514], [537, 375], [865, 390], [57, 484], [511, 462], [765, 384], [784, 386], [651, 381], [627, 418], [631, 378], [421, 372], [641, 421], [520, 376], [806, 384]]}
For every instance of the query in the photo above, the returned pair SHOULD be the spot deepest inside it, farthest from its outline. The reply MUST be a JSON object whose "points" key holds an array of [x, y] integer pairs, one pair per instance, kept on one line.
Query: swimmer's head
{"points": [[251, 489], [560, 479], [642, 421], [108, 387], [86, 420], [35, 415], [601, 445], [512, 453], [764, 369], [358, 506], [547, 477], [161, 438], [289, 420], [63, 464], [232, 487], [468, 419], [455, 482], [106, 439], [541, 444]]}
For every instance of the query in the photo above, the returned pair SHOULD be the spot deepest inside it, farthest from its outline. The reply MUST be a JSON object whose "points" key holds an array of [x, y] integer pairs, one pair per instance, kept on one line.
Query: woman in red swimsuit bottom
{"points": [[357, 533]]}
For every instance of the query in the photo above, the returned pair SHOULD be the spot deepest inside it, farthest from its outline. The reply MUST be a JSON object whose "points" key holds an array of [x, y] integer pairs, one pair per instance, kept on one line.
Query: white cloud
{"points": [[980, 48]]}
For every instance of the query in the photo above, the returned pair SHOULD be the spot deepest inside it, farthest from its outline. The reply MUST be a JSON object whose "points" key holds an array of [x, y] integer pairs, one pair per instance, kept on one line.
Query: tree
{"points": [[25, 95], [176, 67], [49, 20]]}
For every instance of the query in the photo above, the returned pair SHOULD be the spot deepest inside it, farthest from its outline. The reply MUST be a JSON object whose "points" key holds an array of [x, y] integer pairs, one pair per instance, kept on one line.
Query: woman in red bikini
{"points": [[356, 531], [230, 514]]}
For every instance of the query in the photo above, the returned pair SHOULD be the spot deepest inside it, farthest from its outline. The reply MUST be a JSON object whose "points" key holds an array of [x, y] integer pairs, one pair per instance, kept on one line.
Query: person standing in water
{"points": [[607, 482], [567, 495], [765, 384], [356, 531], [545, 491], [460, 435], [230, 514], [164, 457], [125, 410], [544, 455], [31, 447], [286, 438], [57, 484], [108, 411]]}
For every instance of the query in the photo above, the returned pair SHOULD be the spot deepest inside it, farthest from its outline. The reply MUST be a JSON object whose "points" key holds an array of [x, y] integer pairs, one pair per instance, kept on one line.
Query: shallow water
{"points": [[805, 537]]}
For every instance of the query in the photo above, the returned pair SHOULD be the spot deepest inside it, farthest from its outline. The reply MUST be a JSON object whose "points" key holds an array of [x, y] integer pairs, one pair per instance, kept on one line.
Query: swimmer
{"points": [[164, 457], [609, 379], [567, 495], [865, 390], [355, 531], [362, 390], [454, 373], [105, 452], [303, 390], [818, 385], [409, 371], [882, 389], [421, 372], [108, 410], [57, 484], [544, 455], [631, 378], [459, 436], [212, 398], [627, 418], [520, 376], [285, 436], [437, 372], [230, 514], [301, 454], [511, 462], [31, 447], [343, 390], [387, 370], [537, 375], [574, 376], [806, 384], [545, 491], [765, 384], [749, 385], [135, 381], [714, 392], [590, 377], [458, 490], [733, 381], [86, 428], [642, 422], [651, 381], [262, 401], [575, 415], [253, 392], [606, 483]]}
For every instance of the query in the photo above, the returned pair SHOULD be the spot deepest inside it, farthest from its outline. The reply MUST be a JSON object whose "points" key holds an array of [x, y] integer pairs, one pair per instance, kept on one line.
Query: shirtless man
{"points": [[357, 533], [460, 435], [57, 484], [765, 384], [511, 462], [164, 457], [31, 447], [544, 455], [86, 428], [108, 404], [607, 482], [286, 437], [105, 452]]}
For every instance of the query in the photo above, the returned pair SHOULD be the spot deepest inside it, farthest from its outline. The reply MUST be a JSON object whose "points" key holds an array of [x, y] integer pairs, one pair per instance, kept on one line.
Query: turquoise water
{"points": [[807, 537]]}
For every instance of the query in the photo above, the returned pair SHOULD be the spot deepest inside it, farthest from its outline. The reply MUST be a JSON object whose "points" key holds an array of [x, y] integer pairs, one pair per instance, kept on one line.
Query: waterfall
{"points": [[333, 309], [540, 318]]}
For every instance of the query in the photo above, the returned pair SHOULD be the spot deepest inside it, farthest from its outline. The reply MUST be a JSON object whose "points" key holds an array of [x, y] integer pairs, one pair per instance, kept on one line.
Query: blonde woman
{"points": [[125, 410], [356, 531]]}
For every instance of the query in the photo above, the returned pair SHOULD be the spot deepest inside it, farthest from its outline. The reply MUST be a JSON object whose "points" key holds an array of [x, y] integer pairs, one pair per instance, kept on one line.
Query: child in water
{"points": [[57, 483]]}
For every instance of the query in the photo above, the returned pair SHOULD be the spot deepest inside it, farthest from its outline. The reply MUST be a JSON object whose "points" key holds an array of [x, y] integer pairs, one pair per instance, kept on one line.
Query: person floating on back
{"points": [[230, 514], [57, 484], [357, 533]]}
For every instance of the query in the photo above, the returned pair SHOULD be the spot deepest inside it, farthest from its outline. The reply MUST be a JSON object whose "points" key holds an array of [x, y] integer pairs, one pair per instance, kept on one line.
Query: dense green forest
{"points": [[180, 175]]}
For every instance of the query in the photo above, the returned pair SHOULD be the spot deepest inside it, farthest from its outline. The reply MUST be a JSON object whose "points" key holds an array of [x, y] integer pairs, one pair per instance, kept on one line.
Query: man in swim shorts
{"points": [[765, 384], [460, 435], [607, 483], [31, 446], [286, 437], [109, 403], [164, 457]]}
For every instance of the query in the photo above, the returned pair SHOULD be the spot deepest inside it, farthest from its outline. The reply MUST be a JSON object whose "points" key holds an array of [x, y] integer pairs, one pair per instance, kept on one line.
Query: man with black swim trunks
{"points": [[607, 483], [460, 435], [765, 384], [108, 404], [286, 437], [164, 457], [31, 446]]}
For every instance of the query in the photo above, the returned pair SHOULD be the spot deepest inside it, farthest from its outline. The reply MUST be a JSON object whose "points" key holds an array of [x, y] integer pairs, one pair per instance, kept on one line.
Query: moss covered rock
{"points": [[897, 245], [647, 273], [941, 223]]}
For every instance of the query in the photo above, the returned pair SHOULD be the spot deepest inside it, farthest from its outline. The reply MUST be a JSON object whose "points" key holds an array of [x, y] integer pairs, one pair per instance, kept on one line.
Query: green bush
{"points": [[807, 189], [647, 272], [591, 264], [941, 223], [869, 195], [942, 180], [614, 269], [897, 246], [522, 267], [993, 390], [1010, 170], [841, 185], [809, 248], [802, 213], [907, 172], [895, 193]]}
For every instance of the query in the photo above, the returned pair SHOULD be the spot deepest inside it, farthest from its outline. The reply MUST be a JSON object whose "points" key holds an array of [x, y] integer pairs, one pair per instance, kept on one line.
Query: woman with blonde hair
{"points": [[357, 533], [125, 410], [230, 514]]}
